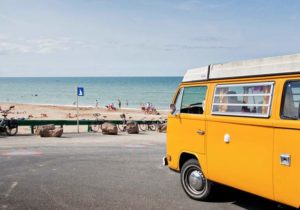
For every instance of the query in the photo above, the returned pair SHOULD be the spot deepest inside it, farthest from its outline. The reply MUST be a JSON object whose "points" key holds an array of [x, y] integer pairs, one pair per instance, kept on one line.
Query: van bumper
{"points": [[165, 161]]}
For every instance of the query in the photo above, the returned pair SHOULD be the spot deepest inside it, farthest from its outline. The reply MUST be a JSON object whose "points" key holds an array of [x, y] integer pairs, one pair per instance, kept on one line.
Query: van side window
{"points": [[193, 100], [249, 99], [291, 99]]}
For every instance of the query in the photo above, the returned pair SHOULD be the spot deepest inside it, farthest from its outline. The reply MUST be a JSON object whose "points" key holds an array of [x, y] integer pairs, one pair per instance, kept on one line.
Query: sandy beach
{"points": [[59, 112]]}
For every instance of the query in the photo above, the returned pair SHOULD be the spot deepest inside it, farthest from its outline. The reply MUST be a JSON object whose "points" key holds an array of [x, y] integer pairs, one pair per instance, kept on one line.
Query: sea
{"points": [[132, 91]]}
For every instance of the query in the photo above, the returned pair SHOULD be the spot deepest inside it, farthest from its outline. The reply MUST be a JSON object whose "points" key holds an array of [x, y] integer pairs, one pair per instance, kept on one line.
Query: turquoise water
{"points": [[62, 90]]}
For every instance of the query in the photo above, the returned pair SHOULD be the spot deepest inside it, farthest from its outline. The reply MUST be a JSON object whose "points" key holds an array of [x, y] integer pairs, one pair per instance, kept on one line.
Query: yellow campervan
{"points": [[238, 124]]}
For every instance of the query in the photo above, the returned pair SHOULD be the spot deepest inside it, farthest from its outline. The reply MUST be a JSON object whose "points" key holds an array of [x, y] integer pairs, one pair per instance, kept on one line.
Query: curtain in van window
{"points": [[249, 99]]}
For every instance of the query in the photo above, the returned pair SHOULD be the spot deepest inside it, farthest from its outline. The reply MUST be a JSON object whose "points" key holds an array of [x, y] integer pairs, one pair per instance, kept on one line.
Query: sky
{"points": [[140, 37]]}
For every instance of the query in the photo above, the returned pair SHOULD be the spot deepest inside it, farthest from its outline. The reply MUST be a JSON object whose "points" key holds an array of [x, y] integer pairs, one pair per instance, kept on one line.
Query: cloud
{"points": [[3, 37], [189, 5], [7, 18], [7, 47], [37, 46], [174, 47], [208, 39], [49, 45], [197, 43]]}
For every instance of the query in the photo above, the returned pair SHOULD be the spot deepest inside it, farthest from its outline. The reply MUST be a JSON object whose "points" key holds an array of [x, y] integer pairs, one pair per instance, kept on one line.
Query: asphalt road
{"points": [[91, 171]]}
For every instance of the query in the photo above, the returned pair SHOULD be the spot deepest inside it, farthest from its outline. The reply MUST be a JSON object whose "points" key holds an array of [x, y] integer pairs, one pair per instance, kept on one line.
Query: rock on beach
{"points": [[109, 129]]}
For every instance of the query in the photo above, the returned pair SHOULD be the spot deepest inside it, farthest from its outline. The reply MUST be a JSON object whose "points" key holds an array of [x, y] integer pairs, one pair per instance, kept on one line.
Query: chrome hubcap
{"points": [[196, 181]]}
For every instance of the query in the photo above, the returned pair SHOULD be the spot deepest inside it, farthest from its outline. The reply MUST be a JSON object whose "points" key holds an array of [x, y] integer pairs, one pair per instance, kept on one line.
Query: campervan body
{"points": [[238, 124]]}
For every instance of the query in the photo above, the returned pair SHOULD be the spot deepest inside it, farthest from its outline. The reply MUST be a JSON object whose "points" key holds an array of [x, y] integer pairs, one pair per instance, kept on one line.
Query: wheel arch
{"points": [[185, 156]]}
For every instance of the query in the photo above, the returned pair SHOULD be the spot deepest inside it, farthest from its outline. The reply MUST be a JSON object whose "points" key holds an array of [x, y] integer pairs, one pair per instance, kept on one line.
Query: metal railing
{"points": [[88, 123]]}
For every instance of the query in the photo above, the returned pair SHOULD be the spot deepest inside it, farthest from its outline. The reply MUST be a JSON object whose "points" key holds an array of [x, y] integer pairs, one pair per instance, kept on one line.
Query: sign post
{"points": [[80, 92]]}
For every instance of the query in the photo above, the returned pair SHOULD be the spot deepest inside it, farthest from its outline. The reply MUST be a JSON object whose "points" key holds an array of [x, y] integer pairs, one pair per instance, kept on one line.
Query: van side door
{"points": [[240, 137], [186, 127], [287, 145]]}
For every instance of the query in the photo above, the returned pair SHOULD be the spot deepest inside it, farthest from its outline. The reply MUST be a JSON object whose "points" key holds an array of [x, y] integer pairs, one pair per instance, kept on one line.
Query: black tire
{"points": [[152, 127], [121, 127], [11, 131], [193, 181], [143, 127]]}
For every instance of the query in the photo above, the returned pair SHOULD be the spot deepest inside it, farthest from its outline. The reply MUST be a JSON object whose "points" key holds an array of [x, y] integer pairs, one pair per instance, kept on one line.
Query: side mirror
{"points": [[173, 109]]}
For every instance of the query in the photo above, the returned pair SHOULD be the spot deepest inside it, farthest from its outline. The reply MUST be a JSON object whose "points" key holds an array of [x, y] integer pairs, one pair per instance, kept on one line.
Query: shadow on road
{"points": [[244, 199]]}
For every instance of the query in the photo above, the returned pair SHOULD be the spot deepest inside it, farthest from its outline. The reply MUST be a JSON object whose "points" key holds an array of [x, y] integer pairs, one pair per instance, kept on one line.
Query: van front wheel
{"points": [[193, 180]]}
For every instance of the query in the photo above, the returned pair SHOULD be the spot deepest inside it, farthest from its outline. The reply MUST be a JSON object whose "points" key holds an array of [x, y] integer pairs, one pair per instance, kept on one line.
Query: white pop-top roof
{"points": [[256, 67]]}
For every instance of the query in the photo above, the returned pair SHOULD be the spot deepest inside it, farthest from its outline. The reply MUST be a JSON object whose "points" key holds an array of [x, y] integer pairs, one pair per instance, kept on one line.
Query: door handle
{"points": [[200, 132]]}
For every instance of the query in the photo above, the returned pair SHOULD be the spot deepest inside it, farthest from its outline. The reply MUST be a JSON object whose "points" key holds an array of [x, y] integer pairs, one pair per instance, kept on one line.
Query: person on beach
{"points": [[119, 102], [126, 102], [110, 107], [97, 103]]}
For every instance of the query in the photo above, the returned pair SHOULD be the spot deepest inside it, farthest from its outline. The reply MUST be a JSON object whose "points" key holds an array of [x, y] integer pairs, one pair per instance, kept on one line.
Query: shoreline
{"points": [[74, 106], [54, 111]]}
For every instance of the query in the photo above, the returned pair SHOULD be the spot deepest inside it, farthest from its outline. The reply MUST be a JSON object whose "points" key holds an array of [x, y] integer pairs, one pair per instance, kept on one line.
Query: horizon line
{"points": [[81, 76]]}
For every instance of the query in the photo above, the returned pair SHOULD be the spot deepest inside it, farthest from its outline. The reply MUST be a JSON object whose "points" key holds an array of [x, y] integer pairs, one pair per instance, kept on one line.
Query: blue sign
{"points": [[80, 91]]}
